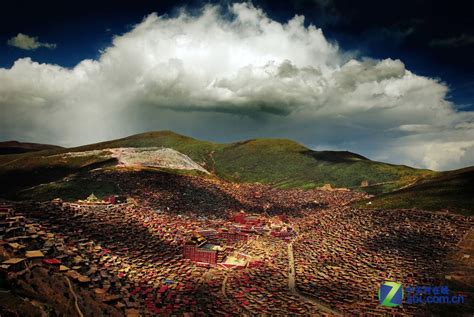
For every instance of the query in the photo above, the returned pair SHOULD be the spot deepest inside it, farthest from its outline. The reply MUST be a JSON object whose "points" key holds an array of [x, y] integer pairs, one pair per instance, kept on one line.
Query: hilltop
{"points": [[15, 147], [281, 163]]}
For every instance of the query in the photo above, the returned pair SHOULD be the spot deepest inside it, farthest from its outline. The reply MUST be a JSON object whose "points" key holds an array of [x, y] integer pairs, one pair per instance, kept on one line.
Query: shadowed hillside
{"points": [[453, 190], [15, 147], [279, 162]]}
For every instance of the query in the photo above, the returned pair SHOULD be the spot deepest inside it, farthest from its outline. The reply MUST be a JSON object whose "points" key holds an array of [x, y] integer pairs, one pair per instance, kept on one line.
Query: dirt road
{"points": [[292, 285]]}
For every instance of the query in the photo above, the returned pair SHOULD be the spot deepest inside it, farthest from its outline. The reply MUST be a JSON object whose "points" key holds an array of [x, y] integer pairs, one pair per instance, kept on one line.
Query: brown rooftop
{"points": [[13, 261], [34, 254]]}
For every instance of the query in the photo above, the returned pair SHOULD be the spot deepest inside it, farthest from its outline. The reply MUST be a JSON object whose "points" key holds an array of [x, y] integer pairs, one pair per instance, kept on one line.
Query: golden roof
{"points": [[13, 261], [34, 254]]}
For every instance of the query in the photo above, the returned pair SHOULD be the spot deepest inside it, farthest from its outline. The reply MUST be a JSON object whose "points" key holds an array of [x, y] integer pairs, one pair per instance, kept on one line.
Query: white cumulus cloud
{"points": [[246, 76]]}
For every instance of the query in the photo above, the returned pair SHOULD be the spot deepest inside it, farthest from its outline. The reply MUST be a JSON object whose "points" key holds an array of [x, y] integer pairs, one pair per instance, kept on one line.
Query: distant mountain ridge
{"points": [[279, 162], [16, 147]]}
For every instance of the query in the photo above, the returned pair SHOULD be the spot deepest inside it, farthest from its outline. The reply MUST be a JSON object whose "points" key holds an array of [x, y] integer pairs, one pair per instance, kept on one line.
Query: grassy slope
{"points": [[453, 190], [280, 162], [21, 171], [285, 163], [80, 185], [69, 190]]}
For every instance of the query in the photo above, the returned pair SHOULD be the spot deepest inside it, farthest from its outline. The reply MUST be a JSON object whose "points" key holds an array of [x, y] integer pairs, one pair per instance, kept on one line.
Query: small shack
{"points": [[35, 257], [14, 264]]}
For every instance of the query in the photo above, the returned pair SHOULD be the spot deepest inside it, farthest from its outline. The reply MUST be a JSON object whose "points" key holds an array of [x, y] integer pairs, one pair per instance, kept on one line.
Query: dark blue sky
{"points": [[432, 39]]}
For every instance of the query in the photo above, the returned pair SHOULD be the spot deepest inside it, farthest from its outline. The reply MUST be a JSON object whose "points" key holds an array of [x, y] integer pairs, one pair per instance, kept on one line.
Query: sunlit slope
{"points": [[285, 163], [280, 162], [453, 191]]}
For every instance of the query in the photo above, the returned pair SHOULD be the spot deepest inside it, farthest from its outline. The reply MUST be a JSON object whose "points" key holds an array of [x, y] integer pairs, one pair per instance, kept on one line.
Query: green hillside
{"points": [[279, 162], [453, 191]]}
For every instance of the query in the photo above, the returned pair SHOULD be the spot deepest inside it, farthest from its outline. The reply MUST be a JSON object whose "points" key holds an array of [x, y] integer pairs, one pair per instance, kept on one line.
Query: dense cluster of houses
{"points": [[190, 246], [211, 246], [135, 257], [343, 254]]}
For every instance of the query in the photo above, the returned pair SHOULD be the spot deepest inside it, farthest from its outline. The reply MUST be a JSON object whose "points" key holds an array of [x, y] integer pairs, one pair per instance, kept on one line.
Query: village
{"points": [[185, 246]]}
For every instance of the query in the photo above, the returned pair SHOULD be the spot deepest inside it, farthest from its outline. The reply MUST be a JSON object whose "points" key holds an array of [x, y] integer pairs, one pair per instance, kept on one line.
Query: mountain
{"points": [[15, 147], [452, 190], [279, 162]]}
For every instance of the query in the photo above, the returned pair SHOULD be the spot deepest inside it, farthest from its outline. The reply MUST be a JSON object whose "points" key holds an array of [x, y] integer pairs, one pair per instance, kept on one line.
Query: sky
{"points": [[391, 81]]}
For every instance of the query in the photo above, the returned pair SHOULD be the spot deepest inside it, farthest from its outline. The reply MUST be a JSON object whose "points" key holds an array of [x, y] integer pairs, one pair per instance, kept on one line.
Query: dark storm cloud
{"points": [[454, 42]]}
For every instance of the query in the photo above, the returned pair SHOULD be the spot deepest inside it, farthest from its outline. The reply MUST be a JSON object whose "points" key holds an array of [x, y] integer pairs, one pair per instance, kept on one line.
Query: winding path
{"points": [[75, 297], [224, 285], [293, 289]]}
